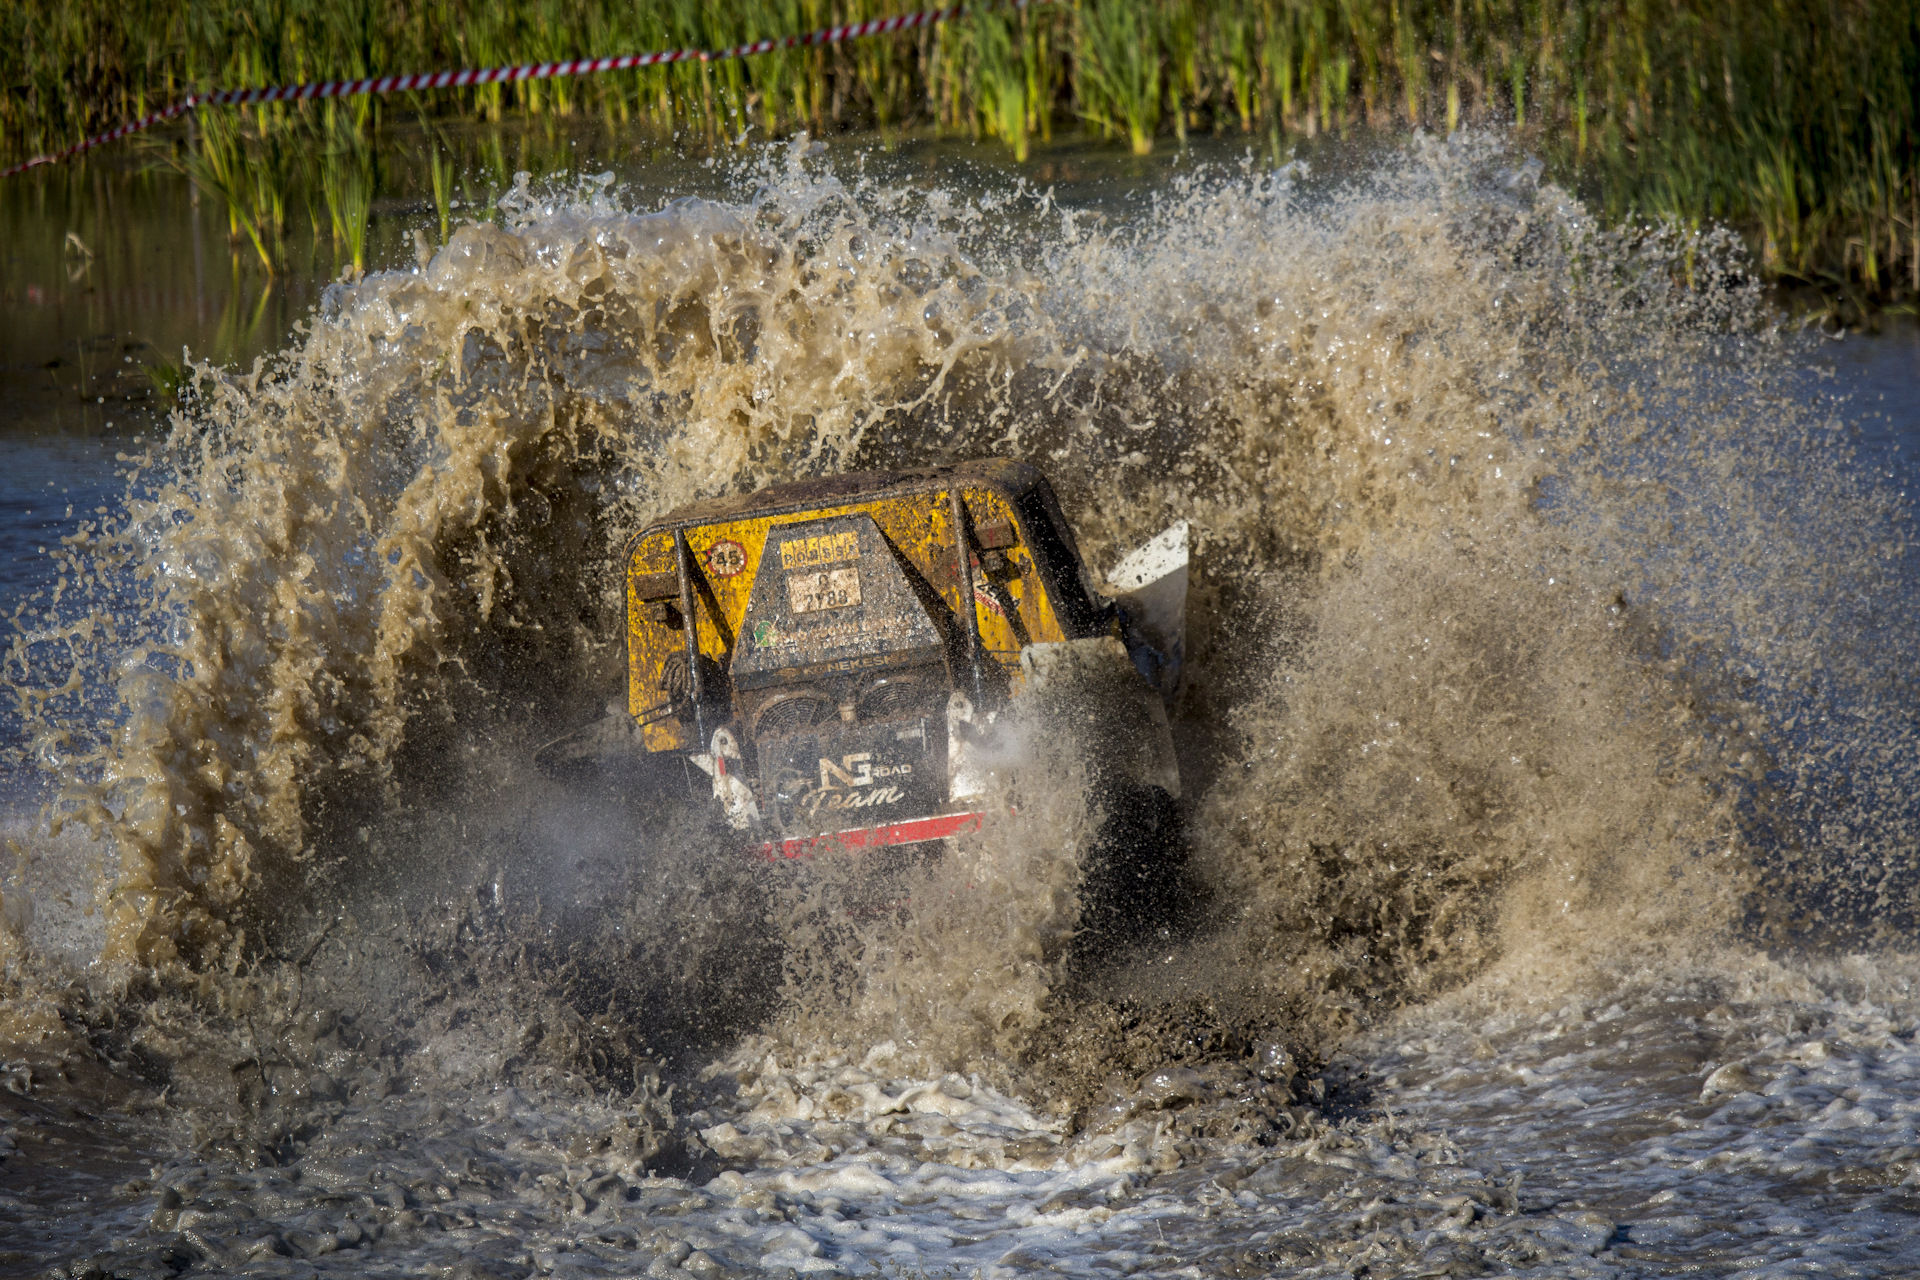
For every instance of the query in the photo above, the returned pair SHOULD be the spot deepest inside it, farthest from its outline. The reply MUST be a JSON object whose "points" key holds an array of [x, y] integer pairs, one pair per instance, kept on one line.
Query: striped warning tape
{"points": [[502, 75]]}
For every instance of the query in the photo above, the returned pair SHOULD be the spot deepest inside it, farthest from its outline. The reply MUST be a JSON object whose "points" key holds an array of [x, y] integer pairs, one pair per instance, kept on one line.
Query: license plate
{"points": [[830, 589]]}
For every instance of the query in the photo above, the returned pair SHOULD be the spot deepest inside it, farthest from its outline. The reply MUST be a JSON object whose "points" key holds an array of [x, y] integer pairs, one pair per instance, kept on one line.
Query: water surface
{"points": [[1548, 750]]}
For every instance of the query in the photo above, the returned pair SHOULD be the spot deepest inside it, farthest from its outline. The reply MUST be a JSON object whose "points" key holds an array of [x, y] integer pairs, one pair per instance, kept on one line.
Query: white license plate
{"points": [[828, 589]]}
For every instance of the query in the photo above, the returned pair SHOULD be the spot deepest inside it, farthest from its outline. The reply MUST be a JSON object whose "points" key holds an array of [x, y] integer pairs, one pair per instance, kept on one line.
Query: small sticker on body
{"points": [[725, 558], [804, 553], [831, 589]]}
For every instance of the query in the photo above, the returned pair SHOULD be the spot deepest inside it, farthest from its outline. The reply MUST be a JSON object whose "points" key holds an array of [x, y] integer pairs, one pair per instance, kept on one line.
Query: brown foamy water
{"points": [[1547, 740]]}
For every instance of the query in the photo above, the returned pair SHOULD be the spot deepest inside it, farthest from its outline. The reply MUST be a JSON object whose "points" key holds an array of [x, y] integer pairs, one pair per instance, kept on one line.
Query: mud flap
{"points": [[1090, 694], [1092, 691]]}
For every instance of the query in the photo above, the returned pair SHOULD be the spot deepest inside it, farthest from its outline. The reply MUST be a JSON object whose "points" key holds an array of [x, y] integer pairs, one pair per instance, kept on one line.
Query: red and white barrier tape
{"points": [[500, 75]]}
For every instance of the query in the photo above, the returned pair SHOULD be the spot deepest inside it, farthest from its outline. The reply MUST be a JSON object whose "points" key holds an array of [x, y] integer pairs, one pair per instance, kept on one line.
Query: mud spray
{"points": [[1547, 662]]}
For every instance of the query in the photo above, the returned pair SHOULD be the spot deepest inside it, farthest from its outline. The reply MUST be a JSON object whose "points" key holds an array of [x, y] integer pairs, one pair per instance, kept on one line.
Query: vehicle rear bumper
{"points": [[936, 826]]}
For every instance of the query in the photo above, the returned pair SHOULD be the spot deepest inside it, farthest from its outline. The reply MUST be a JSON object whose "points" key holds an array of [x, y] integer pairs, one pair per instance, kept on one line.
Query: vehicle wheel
{"points": [[1134, 884]]}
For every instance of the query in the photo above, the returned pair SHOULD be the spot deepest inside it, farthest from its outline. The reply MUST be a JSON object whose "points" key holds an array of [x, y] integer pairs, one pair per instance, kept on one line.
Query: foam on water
{"points": [[1764, 1117], [1546, 666]]}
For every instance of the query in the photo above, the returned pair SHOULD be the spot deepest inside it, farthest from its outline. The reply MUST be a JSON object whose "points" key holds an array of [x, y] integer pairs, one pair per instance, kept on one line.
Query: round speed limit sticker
{"points": [[726, 558]]}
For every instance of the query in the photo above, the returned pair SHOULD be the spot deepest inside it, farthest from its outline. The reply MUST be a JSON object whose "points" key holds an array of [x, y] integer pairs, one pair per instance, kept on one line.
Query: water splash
{"points": [[1532, 602]]}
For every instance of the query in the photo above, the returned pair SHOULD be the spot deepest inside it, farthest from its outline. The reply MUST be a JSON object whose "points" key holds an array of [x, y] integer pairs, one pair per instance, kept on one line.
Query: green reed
{"points": [[1003, 69], [440, 169], [347, 187], [1120, 62], [1795, 121], [218, 166]]}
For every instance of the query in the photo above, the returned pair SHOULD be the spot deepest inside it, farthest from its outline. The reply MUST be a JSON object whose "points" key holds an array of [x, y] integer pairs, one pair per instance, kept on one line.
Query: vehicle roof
{"points": [[1010, 478]]}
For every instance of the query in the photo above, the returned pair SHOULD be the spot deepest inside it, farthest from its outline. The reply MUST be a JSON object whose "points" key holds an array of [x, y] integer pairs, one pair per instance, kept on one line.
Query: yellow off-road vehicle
{"points": [[847, 662]]}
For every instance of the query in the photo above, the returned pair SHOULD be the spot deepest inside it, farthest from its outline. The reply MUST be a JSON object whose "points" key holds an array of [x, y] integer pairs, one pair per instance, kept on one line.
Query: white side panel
{"points": [[1165, 553], [1150, 585]]}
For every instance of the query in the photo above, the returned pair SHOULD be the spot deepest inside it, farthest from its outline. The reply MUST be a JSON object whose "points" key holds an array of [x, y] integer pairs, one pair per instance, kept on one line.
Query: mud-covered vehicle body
{"points": [[848, 661]]}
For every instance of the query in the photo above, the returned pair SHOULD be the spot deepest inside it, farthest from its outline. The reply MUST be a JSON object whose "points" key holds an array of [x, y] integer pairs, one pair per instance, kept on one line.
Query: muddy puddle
{"points": [[1547, 743]]}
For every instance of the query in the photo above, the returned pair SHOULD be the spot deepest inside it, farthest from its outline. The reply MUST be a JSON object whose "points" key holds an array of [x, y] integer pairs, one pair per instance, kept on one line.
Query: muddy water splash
{"points": [[1531, 606], [405, 522]]}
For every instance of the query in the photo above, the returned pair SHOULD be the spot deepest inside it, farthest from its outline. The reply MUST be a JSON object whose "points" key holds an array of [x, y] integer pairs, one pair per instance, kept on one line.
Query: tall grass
{"points": [[1120, 66], [1795, 120], [346, 185]]}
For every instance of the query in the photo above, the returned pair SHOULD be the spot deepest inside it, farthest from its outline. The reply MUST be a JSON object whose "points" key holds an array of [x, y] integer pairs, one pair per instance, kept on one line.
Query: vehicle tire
{"points": [[1134, 882]]}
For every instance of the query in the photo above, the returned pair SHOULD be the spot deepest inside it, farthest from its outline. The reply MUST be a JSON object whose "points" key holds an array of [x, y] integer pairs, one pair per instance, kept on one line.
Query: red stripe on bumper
{"points": [[939, 826]]}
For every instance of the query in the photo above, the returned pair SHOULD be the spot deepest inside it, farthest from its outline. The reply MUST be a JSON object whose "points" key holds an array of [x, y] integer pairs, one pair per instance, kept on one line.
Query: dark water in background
{"points": [[1674, 1117], [1877, 374]]}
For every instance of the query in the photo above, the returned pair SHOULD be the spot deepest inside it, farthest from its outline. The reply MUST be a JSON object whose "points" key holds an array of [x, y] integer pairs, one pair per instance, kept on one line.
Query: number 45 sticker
{"points": [[726, 558]]}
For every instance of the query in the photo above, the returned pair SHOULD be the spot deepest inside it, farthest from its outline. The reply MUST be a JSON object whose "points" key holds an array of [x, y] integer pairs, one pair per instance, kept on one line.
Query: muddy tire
{"points": [[1134, 886]]}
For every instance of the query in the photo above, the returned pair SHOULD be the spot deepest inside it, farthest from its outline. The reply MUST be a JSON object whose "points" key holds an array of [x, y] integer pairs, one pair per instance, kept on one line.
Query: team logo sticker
{"points": [[855, 781], [725, 558]]}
